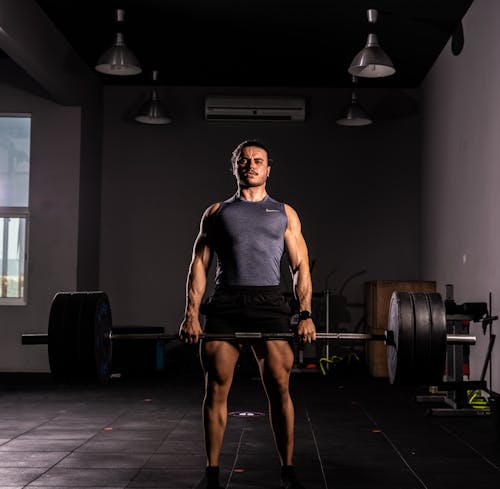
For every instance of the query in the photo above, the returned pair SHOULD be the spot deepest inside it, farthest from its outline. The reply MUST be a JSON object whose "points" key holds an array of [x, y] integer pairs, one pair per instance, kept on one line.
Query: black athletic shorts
{"points": [[247, 308]]}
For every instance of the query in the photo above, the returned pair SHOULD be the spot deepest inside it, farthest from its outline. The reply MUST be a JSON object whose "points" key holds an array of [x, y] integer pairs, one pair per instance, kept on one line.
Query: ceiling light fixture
{"points": [[153, 111], [372, 61], [353, 114], [118, 59]]}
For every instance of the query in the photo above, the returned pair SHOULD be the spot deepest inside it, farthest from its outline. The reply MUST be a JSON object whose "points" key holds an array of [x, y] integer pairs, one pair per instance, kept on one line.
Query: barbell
{"points": [[80, 337]]}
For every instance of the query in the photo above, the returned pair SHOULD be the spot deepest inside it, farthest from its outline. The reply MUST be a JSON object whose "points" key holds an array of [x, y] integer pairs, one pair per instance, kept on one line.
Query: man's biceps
{"points": [[207, 256], [201, 247]]}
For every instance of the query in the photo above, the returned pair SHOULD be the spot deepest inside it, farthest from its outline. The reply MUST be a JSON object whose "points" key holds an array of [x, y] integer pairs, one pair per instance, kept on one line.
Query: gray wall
{"points": [[461, 173], [44, 76], [356, 191], [53, 227], [90, 194]]}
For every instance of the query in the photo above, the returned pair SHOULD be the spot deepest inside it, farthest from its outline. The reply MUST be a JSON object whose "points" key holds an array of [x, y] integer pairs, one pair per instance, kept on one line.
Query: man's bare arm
{"points": [[197, 279], [298, 256]]}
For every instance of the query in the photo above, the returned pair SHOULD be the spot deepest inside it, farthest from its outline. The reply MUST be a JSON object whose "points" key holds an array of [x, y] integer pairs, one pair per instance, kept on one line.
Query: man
{"points": [[249, 233]]}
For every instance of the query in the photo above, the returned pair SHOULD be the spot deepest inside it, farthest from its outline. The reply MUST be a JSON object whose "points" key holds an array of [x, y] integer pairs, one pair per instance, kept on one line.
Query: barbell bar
{"points": [[451, 339], [80, 337]]}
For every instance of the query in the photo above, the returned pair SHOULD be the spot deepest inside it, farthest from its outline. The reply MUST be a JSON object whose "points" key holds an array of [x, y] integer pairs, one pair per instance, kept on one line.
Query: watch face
{"points": [[304, 315]]}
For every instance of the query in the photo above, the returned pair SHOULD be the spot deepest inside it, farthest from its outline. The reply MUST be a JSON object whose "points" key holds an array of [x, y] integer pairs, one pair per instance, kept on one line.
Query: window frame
{"points": [[20, 213]]}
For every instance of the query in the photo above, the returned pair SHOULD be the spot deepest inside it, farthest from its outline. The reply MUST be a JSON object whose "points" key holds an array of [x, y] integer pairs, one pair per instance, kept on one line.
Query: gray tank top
{"points": [[248, 238]]}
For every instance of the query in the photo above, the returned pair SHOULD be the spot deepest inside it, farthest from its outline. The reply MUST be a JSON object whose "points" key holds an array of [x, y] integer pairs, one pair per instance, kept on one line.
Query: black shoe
{"points": [[289, 478], [210, 479]]}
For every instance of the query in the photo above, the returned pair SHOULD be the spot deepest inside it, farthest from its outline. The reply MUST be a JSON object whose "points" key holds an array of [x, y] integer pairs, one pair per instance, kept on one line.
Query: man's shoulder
{"points": [[217, 206], [291, 212], [212, 209]]}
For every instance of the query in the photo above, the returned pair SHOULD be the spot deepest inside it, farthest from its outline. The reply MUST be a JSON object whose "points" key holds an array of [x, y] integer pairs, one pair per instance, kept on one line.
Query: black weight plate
{"points": [[102, 341], [56, 343], [73, 337], [64, 337], [86, 345], [401, 324], [423, 338], [438, 339], [393, 329], [95, 334]]}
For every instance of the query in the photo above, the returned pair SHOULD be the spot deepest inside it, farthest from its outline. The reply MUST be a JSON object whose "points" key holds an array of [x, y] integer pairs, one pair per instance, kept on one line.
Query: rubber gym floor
{"points": [[352, 431]]}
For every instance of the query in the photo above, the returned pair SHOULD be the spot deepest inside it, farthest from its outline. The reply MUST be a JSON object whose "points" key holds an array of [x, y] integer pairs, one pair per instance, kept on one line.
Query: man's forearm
{"points": [[303, 289], [195, 289]]}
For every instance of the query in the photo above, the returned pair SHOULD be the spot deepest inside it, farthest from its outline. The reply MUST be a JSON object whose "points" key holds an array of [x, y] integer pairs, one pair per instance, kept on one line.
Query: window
{"points": [[14, 216]]}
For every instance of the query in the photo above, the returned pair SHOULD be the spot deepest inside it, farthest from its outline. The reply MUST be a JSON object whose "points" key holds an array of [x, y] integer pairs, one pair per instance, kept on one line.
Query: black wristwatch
{"points": [[304, 315]]}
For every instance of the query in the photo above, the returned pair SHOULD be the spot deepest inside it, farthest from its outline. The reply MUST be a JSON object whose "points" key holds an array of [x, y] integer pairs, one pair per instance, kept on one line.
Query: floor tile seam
{"points": [[71, 452], [107, 454], [469, 446], [310, 425], [106, 425], [376, 425], [55, 464], [315, 443], [67, 470], [142, 465], [89, 429], [163, 440], [29, 466], [38, 476], [31, 429], [237, 453], [42, 439]]}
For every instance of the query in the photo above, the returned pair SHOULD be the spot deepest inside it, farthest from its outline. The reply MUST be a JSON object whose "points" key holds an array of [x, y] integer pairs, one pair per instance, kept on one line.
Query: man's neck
{"points": [[252, 194]]}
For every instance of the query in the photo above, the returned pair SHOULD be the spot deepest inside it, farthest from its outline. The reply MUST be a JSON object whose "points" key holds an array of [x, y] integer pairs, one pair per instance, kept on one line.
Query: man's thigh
{"points": [[218, 359], [275, 357]]}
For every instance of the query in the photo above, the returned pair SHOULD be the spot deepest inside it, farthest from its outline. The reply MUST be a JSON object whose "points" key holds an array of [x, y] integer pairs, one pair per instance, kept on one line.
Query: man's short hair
{"points": [[244, 144]]}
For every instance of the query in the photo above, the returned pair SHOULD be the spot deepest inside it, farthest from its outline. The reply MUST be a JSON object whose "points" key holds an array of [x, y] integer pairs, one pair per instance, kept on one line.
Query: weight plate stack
{"points": [[438, 344], [79, 342], [423, 338], [95, 331], [57, 345], [400, 355], [64, 337]]}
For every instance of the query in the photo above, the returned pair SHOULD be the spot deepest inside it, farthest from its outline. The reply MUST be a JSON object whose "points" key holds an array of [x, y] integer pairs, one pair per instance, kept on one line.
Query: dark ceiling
{"points": [[296, 43]]}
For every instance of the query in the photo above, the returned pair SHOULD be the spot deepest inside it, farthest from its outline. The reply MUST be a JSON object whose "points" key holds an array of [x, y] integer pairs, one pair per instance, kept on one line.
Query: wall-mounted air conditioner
{"points": [[254, 108]]}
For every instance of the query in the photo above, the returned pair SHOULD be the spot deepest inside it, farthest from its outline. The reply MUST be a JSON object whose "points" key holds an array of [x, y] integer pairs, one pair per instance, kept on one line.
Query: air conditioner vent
{"points": [[253, 108]]}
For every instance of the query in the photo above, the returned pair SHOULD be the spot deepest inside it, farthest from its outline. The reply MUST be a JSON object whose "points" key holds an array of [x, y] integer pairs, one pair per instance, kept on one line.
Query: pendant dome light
{"points": [[153, 111], [118, 59], [353, 114], [372, 61]]}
